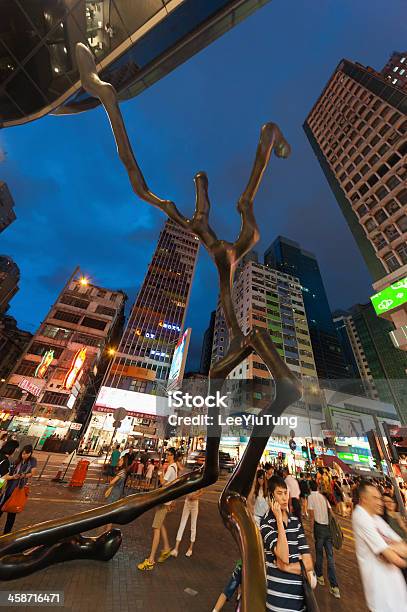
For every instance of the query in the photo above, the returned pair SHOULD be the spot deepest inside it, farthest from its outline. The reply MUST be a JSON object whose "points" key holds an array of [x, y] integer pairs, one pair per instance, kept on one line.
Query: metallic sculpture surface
{"points": [[58, 540]]}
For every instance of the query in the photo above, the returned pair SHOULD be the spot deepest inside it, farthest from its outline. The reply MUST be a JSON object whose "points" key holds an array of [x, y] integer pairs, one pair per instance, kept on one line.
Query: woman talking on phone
{"points": [[285, 546]]}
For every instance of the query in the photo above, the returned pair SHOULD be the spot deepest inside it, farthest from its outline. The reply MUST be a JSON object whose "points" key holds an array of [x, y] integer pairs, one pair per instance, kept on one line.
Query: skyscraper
{"points": [[387, 365], [7, 214], [207, 346], [396, 69], [287, 256], [358, 131], [157, 317], [9, 278]]}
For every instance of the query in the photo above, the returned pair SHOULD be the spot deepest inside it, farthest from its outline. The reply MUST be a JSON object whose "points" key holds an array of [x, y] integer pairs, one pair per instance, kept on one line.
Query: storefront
{"points": [[38, 427], [136, 430]]}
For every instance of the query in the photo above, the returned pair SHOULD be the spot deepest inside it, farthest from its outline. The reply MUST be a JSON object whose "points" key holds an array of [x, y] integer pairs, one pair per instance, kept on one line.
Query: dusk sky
{"points": [[74, 204]]}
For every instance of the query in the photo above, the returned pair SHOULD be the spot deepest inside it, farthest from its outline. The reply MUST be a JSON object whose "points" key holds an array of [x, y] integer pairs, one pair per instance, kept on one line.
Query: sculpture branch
{"points": [[58, 540]]}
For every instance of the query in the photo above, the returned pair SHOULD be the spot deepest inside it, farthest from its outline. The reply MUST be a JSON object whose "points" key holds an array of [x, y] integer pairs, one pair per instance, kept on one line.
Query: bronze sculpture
{"points": [[58, 540]]}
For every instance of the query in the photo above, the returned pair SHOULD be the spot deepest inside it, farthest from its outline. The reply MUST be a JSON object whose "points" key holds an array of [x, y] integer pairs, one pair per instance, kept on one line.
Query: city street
{"points": [[181, 584]]}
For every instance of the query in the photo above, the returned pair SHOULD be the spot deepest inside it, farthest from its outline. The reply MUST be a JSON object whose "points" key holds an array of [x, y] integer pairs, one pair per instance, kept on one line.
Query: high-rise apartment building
{"points": [[269, 299], [7, 214], [287, 256], [65, 353], [386, 364], [207, 342], [358, 131], [9, 278], [157, 317], [13, 342], [396, 69]]}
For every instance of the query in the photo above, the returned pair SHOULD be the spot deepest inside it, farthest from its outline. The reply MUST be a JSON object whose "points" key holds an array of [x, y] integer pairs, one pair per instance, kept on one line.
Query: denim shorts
{"points": [[233, 583]]}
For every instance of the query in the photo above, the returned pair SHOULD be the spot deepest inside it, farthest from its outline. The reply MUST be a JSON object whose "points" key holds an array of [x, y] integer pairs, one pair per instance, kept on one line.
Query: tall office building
{"points": [[13, 342], [157, 317], [396, 69], [354, 353], [387, 365], [9, 278], [287, 256], [7, 214], [358, 131], [63, 357], [207, 342]]}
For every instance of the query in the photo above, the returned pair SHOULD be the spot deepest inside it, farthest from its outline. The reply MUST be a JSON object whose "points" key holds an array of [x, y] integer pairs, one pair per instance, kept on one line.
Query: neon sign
{"points": [[75, 369], [44, 365], [169, 326]]}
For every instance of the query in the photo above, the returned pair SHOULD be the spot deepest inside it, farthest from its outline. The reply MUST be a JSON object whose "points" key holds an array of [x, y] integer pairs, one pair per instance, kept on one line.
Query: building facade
{"points": [[287, 256], [396, 69], [53, 375], [387, 365], [354, 353], [207, 343], [137, 375], [134, 45], [7, 214], [9, 279], [13, 342], [358, 131]]}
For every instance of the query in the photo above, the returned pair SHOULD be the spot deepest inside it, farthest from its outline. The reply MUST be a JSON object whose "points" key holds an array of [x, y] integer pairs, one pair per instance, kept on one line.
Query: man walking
{"points": [[294, 491], [159, 517], [380, 552], [318, 510]]}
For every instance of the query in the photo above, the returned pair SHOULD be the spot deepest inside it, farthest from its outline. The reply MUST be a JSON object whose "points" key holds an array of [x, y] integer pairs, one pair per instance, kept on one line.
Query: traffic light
{"points": [[304, 450], [312, 453], [392, 448], [375, 449]]}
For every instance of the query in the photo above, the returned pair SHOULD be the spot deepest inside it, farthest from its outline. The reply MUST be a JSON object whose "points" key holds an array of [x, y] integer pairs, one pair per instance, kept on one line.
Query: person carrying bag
{"points": [[15, 497], [311, 604]]}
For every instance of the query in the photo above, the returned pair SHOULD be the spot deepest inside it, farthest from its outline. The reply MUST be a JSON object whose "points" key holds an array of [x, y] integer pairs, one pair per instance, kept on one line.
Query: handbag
{"points": [[335, 529], [310, 601], [17, 500]]}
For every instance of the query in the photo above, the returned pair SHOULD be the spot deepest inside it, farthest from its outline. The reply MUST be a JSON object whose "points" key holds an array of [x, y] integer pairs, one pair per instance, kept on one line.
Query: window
{"points": [[27, 368], [384, 129], [56, 399], [391, 262], [394, 118], [372, 180], [348, 186], [401, 223], [381, 171], [365, 151], [59, 333], [70, 317], [381, 192], [402, 252], [393, 182], [402, 196], [375, 140], [391, 232], [392, 207], [385, 147], [73, 301], [362, 210], [40, 349], [373, 160], [94, 323], [363, 189], [370, 225], [380, 216], [110, 312], [365, 168]]}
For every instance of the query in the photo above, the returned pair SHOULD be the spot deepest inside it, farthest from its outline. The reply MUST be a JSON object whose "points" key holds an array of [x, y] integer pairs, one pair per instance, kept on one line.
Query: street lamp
{"points": [[84, 281], [111, 352]]}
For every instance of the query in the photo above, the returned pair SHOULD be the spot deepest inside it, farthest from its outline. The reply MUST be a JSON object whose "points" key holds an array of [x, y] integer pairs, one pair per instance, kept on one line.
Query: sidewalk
{"points": [[117, 586]]}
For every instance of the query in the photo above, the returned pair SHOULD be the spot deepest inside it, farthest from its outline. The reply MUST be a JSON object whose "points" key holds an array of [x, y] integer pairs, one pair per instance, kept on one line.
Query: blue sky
{"points": [[74, 204]]}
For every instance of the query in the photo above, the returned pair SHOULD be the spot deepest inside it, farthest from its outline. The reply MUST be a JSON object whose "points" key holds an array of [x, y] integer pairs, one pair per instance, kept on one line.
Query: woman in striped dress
{"points": [[284, 546]]}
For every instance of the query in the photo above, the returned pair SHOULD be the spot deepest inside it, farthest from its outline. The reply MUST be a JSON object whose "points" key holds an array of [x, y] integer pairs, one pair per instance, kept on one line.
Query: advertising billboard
{"points": [[390, 298], [110, 398], [178, 361]]}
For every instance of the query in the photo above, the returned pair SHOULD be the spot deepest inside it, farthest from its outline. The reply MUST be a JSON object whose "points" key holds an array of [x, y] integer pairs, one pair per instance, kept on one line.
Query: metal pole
{"points": [[67, 467], [44, 466], [397, 493]]}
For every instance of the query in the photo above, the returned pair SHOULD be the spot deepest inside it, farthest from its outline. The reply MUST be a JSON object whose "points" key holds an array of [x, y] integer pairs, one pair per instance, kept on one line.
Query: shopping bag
{"points": [[17, 500]]}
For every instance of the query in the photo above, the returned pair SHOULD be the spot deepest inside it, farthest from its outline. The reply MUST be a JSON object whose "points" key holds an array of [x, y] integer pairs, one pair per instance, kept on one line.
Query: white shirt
{"points": [[170, 475], [383, 583], [150, 470], [292, 486], [319, 504], [261, 507]]}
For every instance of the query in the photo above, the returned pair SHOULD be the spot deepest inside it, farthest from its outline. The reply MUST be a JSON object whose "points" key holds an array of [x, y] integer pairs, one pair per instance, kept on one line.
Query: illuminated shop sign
{"points": [[166, 325], [44, 365], [75, 369], [30, 387], [390, 298], [159, 354]]}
